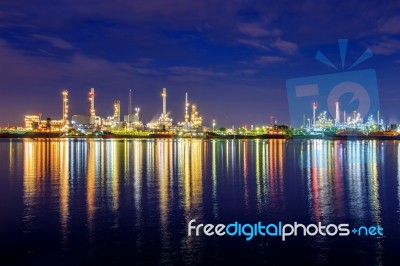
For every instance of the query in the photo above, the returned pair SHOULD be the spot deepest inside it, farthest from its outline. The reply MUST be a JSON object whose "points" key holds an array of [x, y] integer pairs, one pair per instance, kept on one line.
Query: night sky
{"points": [[232, 57]]}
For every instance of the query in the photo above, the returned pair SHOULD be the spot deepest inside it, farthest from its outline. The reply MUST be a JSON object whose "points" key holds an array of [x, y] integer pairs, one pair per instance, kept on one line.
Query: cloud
{"points": [[285, 46], [257, 30], [35, 76], [56, 42], [386, 47], [258, 36], [391, 26], [24, 69], [78, 65], [254, 43], [269, 59]]}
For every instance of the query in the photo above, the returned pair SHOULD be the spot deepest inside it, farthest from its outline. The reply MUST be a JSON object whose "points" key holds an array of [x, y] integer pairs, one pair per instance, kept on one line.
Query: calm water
{"points": [[129, 201]]}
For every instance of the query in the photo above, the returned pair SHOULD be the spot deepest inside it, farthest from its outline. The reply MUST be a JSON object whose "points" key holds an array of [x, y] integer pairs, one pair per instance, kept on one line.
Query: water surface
{"points": [[129, 201]]}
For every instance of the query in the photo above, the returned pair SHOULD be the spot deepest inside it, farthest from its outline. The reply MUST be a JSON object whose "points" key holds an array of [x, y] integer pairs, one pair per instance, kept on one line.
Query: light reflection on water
{"points": [[132, 199], [398, 181]]}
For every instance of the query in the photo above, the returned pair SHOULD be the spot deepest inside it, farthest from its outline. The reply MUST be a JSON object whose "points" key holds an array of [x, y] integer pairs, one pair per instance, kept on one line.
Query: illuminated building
{"points": [[323, 121], [84, 123], [32, 122], [186, 125], [136, 119], [352, 121], [195, 121], [164, 123], [113, 122], [117, 111], [132, 119]]}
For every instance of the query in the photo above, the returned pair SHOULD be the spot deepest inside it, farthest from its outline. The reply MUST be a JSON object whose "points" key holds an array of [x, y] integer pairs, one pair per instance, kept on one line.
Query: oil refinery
{"points": [[316, 125], [90, 123]]}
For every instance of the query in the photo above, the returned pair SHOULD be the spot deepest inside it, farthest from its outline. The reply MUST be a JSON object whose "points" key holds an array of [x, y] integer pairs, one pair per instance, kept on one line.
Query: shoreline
{"points": [[206, 136]]}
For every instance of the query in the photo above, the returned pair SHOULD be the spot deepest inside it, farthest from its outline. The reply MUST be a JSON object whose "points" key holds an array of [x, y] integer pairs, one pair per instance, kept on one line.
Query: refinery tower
{"points": [[192, 121], [164, 122]]}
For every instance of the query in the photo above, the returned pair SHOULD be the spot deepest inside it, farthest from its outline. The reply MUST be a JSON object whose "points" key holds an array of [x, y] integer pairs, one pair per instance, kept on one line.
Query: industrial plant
{"points": [[316, 125], [91, 123], [353, 122]]}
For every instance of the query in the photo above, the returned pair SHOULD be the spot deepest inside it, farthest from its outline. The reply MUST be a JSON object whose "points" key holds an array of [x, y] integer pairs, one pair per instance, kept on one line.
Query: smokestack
{"points": [[130, 102], [91, 101], [186, 108], [164, 96], [337, 112], [314, 111], [379, 118], [65, 107]]}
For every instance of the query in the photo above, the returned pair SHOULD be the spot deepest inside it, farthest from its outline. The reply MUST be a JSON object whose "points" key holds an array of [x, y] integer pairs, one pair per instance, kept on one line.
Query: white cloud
{"points": [[55, 41], [286, 46], [257, 30], [386, 47], [254, 43]]}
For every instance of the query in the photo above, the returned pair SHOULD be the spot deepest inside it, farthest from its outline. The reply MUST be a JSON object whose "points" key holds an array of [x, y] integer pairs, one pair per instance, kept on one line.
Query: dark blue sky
{"points": [[233, 57]]}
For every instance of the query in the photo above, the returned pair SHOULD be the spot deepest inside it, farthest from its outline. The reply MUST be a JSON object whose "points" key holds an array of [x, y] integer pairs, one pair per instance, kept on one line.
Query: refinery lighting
{"points": [[192, 125], [314, 111], [65, 107], [91, 102], [117, 111], [164, 97], [186, 109]]}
